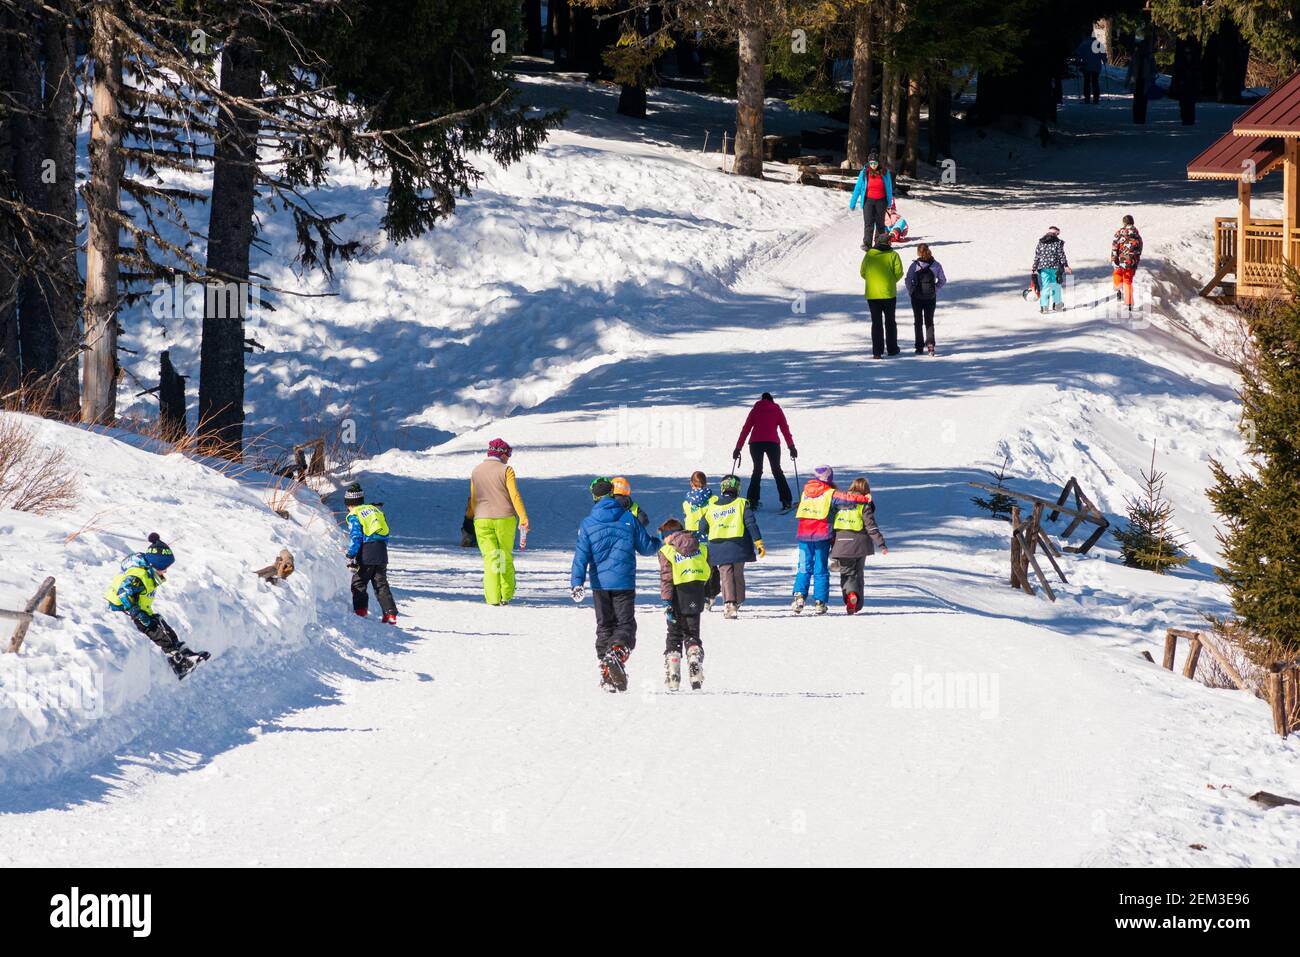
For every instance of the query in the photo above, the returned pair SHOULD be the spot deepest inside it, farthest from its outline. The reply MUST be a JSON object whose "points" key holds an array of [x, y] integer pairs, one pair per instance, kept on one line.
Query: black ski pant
{"points": [[377, 575], [884, 326], [160, 633], [773, 452], [873, 220], [615, 619], [1091, 87], [923, 320], [851, 575], [683, 633]]}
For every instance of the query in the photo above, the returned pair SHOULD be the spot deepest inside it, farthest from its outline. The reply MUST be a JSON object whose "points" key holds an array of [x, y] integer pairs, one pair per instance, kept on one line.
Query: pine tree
{"points": [[1261, 506], [998, 504], [1150, 540]]}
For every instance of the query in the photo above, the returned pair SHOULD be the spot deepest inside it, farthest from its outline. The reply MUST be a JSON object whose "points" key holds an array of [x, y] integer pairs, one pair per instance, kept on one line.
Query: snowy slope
{"points": [[87, 681], [955, 722]]}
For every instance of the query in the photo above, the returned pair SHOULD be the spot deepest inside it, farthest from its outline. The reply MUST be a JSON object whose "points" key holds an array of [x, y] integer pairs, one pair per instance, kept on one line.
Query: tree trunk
{"points": [[886, 107], [940, 114], [859, 141], [10, 371], [1187, 57], [889, 157], [632, 101], [1141, 76], [749, 99], [1233, 55], [533, 23], [47, 298], [171, 400], [560, 18], [230, 237], [911, 156], [99, 396]]}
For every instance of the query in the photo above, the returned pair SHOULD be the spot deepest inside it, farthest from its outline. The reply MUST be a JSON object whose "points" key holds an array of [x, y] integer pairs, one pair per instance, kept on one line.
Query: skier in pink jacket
{"points": [[761, 426]]}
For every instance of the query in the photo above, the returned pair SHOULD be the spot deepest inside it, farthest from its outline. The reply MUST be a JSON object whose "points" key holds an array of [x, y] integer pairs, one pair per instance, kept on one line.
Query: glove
{"points": [[670, 615], [354, 563], [578, 592], [759, 546], [735, 454], [145, 620], [794, 453]]}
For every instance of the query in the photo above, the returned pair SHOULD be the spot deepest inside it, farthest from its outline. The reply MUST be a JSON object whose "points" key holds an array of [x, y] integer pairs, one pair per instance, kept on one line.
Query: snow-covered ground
{"points": [[613, 307]]}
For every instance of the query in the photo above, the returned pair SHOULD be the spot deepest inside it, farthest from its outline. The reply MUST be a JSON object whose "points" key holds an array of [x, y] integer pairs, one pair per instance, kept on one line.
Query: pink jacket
{"points": [[763, 421]]}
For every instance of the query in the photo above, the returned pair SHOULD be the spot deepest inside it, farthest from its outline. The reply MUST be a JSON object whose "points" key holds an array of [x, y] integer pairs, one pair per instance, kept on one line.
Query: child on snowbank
{"points": [[734, 539], [609, 540], [132, 593], [856, 537], [683, 582], [814, 535]]}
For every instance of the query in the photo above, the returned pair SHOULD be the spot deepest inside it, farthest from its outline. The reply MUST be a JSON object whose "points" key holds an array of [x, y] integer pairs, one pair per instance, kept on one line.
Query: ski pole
{"points": [[796, 471]]}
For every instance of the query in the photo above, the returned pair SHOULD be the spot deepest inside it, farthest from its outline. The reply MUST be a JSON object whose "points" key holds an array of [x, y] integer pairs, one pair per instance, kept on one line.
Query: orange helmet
{"points": [[621, 485]]}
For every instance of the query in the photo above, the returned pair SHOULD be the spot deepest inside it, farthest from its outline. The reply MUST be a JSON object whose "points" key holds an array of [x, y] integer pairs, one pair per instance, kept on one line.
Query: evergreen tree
{"points": [[1150, 540], [1261, 506]]}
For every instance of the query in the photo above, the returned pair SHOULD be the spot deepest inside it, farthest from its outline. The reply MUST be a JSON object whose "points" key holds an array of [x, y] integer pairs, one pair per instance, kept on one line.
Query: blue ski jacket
{"points": [[860, 190], [609, 539]]}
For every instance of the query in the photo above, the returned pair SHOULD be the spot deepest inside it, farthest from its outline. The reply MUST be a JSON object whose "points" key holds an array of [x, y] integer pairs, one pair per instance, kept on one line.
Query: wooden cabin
{"points": [[1263, 140]]}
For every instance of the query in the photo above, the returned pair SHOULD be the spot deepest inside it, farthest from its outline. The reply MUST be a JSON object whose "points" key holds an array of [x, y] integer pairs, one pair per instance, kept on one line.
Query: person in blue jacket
{"points": [[875, 188], [609, 540]]}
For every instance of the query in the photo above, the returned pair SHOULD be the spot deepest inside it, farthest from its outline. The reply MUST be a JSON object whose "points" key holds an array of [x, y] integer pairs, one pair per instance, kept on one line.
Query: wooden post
{"points": [[1171, 646], [1275, 698], [1015, 546], [1193, 656], [43, 602], [1243, 221], [1290, 201]]}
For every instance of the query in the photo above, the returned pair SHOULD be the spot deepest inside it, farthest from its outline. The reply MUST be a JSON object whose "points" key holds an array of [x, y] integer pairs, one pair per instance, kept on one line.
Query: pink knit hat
{"points": [[824, 473], [499, 448]]}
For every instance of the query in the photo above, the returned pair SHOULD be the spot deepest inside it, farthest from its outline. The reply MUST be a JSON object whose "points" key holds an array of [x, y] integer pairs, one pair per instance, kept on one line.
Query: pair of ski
{"points": [[183, 661]]}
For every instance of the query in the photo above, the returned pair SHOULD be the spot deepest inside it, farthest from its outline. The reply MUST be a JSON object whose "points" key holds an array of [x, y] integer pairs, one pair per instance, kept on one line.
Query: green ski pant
{"points": [[496, 540]]}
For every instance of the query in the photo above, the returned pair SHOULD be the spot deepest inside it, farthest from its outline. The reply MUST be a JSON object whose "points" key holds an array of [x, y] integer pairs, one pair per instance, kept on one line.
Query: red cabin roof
{"points": [[1277, 114]]}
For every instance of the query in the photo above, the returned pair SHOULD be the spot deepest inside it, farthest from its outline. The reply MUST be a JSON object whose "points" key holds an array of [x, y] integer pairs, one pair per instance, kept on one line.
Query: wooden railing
{"points": [[1263, 254]]}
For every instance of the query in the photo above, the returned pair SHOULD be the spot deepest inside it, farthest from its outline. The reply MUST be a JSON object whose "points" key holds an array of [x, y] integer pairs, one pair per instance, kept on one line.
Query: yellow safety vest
{"points": [[726, 521], [694, 513], [371, 518], [685, 570], [144, 601], [849, 519], [815, 508]]}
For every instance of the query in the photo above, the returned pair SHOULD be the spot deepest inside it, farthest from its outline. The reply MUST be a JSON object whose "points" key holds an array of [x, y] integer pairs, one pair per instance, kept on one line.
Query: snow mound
{"points": [[87, 679]]}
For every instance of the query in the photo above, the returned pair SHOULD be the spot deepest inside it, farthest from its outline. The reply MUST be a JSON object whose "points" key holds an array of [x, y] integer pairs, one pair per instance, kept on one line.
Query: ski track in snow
{"points": [[476, 735]]}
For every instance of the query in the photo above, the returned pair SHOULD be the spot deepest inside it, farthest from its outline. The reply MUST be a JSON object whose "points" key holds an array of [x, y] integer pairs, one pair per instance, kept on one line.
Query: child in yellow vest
{"points": [[734, 539], [698, 498], [683, 581], [856, 537]]}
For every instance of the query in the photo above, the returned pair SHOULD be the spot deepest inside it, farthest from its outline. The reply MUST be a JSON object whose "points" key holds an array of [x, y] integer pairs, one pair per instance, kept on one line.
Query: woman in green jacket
{"points": [[882, 269]]}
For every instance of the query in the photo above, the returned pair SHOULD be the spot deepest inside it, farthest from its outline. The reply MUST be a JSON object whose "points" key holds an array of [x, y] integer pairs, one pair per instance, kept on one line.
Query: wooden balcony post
{"points": [[1243, 224], [1291, 202]]}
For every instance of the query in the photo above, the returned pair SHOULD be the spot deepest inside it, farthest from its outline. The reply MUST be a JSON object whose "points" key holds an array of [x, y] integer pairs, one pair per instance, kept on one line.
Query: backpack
{"points": [[925, 285]]}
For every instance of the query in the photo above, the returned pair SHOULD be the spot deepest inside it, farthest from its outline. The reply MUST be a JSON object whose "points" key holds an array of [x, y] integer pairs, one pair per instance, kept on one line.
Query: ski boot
{"points": [[390, 618], [786, 508], [673, 670], [183, 660], [695, 666], [731, 611], [797, 605], [708, 605], [361, 612], [930, 348], [819, 608], [852, 602], [612, 667]]}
